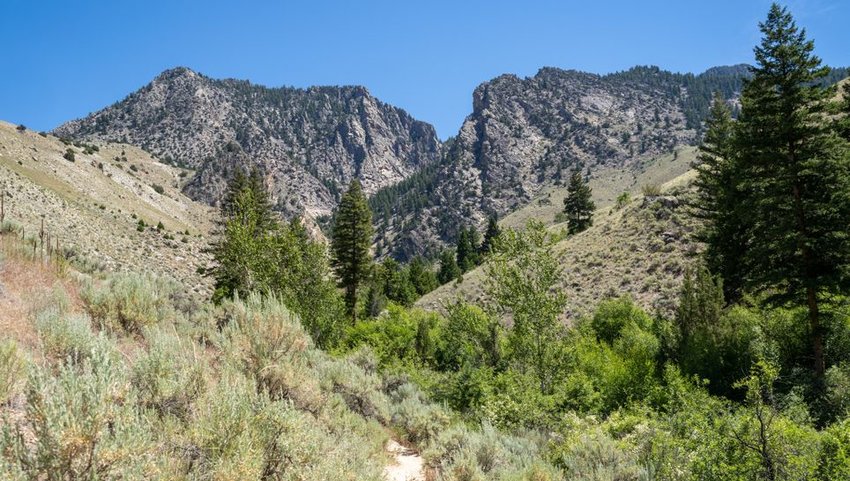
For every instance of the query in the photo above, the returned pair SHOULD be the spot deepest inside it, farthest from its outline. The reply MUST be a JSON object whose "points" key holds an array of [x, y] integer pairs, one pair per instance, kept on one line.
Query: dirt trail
{"points": [[408, 465]]}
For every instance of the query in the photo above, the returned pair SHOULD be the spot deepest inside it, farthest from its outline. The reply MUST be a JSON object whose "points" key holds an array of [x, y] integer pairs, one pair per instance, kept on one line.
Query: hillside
{"points": [[93, 205], [119, 376], [640, 249], [526, 134], [309, 143]]}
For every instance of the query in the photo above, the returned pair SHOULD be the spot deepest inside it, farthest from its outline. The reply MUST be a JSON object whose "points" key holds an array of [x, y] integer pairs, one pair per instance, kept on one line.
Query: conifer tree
{"points": [[351, 243], [718, 199], [578, 205], [449, 269], [796, 172], [490, 235], [467, 248]]}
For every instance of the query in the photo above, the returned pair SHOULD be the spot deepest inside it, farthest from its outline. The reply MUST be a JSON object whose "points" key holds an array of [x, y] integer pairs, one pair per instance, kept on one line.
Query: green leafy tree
{"points": [[578, 205], [395, 282], [796, 171], [449, 270], [246, 235], [718, 201], [523, 276], [302, 278], [351, 243]]}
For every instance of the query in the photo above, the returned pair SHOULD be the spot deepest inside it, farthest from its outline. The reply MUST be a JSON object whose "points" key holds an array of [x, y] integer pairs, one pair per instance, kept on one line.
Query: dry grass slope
{"points": [[94, 203], [640, 249]]}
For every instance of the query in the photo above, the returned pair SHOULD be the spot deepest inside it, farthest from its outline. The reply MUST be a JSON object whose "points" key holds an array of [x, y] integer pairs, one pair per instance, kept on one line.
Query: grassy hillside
{"points": [[94, 203], [640, 249]]}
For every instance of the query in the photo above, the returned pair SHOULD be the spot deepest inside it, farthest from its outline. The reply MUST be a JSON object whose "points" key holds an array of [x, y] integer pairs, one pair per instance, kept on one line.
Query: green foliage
{"points": [[491, 236], [351, 243], [834, 462], [255, 253], [81, 432], [578, 205], [522, 278], [467, 249], [69, 155], [717, 201], [795, 172], [622, 200], [449, 270], [12, 369], [247, 229], [470, 338], [129, 302]]}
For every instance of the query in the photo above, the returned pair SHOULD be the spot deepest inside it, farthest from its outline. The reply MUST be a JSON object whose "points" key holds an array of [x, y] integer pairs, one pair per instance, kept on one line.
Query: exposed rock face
{"points": [[309, 143], [524, 134]]}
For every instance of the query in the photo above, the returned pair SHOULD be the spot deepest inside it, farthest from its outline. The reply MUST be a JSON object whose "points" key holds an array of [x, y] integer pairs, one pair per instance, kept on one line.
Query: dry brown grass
{"points": [[25, 284], [640, 250]]}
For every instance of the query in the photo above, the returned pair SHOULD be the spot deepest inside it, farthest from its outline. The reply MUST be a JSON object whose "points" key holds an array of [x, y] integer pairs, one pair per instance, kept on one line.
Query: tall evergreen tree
{"points": [[421, 276], [796, 171], [718, 199], [578, 205], [490, 235], [467, 248], [351, 243], [449, 270]]}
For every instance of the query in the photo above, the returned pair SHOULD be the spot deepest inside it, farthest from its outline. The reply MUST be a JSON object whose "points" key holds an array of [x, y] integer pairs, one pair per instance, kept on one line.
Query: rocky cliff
{"points": [[309, 143]]}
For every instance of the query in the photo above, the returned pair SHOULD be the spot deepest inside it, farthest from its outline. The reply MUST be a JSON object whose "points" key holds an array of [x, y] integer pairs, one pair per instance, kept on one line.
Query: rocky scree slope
{"points": [[309, 143]]}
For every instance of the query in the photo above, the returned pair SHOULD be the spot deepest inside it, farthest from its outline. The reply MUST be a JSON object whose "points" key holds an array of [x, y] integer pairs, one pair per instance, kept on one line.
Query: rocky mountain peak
{"points": [[309, 142]]}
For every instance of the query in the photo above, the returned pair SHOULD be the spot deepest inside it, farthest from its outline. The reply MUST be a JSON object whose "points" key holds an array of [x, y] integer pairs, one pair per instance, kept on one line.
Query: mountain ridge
{"points": [[309, 143]]}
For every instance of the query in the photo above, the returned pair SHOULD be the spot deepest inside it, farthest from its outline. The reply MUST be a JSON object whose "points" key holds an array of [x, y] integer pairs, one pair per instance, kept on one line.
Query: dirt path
{"points": [[408, 465]]}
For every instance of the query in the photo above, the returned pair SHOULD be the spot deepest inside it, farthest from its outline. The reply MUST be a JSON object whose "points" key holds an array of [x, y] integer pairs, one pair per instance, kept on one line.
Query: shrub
{"points": [[650, 190], [84, 421], [158, 189], [69, 155], [166, 378], [65, 338], [834, 463], [461, 453], [129, 302], [12, 368]]}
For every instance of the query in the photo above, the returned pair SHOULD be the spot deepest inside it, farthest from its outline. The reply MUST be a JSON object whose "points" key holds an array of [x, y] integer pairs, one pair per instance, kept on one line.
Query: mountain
{"points": [[527, 134], [309, 143]]}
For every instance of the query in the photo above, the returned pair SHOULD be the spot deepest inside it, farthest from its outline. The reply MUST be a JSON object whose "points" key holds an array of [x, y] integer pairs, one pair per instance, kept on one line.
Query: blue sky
{"points": [[64, 59]]}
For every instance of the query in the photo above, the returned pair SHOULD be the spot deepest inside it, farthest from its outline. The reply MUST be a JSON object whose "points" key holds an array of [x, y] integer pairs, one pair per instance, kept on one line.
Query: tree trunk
{"points": [[817, 333]]}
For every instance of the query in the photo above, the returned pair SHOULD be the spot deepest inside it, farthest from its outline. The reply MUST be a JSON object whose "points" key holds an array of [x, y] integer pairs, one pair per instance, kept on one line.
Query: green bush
{"points": [[12, 367], [128, 302], [84, 421]]}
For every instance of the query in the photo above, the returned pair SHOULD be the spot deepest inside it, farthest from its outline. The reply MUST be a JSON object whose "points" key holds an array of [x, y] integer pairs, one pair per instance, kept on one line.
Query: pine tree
{"points": [[490, 235], [578, 205], [467, 249], [351, 242], [421, 276], [718, 199], [796, 171], [449, 269]]}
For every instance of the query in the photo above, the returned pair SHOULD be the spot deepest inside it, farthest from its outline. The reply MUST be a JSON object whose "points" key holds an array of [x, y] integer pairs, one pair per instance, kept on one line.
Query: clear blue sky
{"points": [[63, 59]]}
